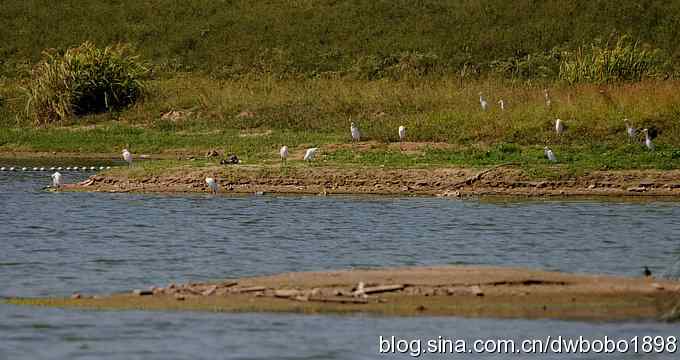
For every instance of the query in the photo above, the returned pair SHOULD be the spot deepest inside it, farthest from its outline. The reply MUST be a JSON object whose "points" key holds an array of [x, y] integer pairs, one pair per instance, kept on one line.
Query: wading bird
{"points": [[402, 133], [559, 127], [57, 181], [502, 104], [354, 130], [284, 153], [631, 131], [648, 139], [2, 168], [212, 185], [127, 157], [549, 154], [309, 154], [646, 271], [483, 103], [547, 98]]}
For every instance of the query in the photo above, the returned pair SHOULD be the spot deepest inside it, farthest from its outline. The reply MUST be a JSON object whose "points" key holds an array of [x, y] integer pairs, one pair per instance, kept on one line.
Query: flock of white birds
{"points": [[560, 127]]}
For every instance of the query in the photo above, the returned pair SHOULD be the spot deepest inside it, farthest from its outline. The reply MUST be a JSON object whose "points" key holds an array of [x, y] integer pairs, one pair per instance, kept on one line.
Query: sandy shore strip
{"points": [[449, 182], [466, 291]]}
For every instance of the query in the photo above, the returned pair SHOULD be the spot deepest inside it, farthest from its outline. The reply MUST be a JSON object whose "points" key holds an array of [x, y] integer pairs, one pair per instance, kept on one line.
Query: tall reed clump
{"points": [[626, 61], [84, 80]]}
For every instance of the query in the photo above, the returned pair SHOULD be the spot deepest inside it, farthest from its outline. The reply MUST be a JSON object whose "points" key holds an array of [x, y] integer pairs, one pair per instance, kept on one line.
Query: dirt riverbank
{"points": [[451, 291], [456, 182]]}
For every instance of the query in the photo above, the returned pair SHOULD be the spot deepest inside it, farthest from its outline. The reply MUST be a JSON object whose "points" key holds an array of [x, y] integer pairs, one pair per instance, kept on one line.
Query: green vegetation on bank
{"points": [[246, 77], [366, 38], [254, 118]]}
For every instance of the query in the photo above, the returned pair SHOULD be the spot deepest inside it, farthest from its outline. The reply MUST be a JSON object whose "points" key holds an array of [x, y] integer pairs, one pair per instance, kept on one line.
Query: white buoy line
{"points": [[54, 168]]}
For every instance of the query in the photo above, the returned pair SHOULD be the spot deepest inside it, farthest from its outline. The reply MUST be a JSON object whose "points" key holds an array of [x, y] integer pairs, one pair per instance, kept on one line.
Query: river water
{"points": [[60, 243]]}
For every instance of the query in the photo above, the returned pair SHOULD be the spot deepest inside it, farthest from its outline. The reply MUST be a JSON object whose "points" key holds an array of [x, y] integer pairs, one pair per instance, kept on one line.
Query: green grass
{"points": [[303, 68], [442, 115], [234, 38]]}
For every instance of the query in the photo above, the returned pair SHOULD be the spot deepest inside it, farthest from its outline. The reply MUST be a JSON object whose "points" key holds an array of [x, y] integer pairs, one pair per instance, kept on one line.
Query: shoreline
{"points": [[464, 291], [498, 181]]}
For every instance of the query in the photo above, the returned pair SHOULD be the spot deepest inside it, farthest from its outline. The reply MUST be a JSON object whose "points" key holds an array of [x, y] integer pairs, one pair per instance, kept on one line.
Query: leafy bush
{"points": [[543, 65], [626, 61], [84, 80], [407, 64]]}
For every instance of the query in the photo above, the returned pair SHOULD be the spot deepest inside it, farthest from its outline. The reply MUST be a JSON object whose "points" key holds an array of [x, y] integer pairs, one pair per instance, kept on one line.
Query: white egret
{"points": [[108, 168], [35, 169], [2, 168], [57, 181], [12, 168], [42, 169], [59, 168], [283, 152], [502, 104], [483, 102], [309, 154], [648, 140], [631, 131], [402, 133], [24, 169], [93, 168], [354, 130], [53, 168], [101, 168], [68, 168], [547, 98], [127, 157], [559, 127], [75, 168], [212, 184], [549, 154]]}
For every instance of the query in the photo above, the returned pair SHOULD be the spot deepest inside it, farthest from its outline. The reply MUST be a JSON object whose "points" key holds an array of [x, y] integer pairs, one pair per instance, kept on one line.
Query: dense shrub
{"points": [[540, 65], [625, 61], [84, 80]]}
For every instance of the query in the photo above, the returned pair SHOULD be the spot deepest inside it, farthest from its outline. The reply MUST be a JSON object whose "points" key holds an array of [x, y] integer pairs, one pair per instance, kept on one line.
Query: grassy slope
{"points": [[231, 37], [241, 38]]}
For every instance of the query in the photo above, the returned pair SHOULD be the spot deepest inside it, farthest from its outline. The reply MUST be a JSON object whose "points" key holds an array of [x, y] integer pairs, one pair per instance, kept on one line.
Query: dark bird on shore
{"points": [[653, 132], [647, 272]]}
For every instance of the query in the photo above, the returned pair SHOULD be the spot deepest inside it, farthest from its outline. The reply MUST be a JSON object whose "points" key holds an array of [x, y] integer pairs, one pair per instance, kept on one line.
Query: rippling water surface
{"points": [[58, 243]]}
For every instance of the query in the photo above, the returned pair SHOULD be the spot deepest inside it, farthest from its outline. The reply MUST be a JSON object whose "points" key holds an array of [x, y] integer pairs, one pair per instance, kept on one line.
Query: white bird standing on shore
{"points": [[309, 154], [559, 127], [57, 180], [284, 153], [402, 133], [127, 157], [212, 184], [631, 131], [502, 104], [547, 98], [648, 140], [483, 102], [354, 130], [549, 154]]}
